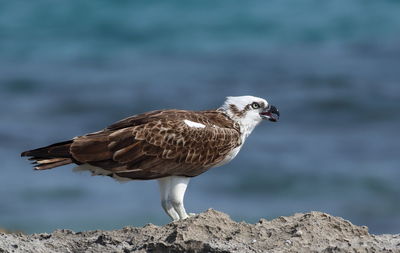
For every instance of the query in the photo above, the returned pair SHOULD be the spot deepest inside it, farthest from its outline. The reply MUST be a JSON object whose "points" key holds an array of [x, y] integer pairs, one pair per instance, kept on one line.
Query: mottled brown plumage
{"points": [[149, 146]]}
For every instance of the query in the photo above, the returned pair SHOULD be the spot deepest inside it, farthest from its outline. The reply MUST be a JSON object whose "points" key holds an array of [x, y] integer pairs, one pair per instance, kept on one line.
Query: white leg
{"points": [[177, 190], [165, 186]]}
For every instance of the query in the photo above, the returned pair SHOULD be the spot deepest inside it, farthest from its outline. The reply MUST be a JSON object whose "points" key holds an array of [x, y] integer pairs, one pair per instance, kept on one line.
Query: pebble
{"points": [[288, 242], [298, 233]]}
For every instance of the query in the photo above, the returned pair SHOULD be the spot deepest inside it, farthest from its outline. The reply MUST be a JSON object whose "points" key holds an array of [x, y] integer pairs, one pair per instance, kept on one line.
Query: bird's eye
{"points": [[255, 105]]}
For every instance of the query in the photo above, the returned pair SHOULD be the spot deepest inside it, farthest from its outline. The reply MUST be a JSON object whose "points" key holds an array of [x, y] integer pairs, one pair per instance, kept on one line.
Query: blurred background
{"points": [[331, 67]]}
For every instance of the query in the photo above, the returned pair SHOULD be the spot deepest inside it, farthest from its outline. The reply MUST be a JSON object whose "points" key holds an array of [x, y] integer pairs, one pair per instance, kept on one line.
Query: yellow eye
{"points": [[255, 105]]}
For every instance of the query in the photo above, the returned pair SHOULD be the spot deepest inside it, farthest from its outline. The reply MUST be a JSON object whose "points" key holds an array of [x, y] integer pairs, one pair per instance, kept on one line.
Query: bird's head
{"points": [[248, 111]]}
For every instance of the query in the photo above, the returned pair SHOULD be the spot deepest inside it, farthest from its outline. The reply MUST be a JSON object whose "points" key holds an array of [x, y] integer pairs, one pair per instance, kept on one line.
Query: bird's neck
{"points": [[246, 124], [246, 127]]}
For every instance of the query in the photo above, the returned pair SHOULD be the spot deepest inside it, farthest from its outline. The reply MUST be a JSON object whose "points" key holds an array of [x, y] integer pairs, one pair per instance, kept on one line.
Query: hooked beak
{"points": [[270, 113]]}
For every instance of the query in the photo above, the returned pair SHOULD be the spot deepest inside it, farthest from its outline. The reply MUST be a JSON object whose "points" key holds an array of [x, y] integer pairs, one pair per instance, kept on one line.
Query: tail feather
{"points": [[49, 164], [51, 156], [60, 149]]}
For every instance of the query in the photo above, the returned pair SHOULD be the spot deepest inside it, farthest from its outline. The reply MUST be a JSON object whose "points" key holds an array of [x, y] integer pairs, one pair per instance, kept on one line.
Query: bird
{"points": [[170, 146]]}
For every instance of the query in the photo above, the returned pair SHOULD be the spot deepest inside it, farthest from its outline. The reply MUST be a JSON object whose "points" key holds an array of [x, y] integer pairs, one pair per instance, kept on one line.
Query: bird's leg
{"points": [[177, 192], [165, 186]]}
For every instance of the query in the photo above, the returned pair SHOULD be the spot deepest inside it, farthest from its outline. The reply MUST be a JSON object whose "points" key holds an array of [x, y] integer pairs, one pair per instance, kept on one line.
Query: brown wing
{"points": [[161, 145]]}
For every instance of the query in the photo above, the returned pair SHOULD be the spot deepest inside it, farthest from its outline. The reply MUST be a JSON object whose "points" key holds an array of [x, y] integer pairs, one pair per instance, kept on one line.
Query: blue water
{"points": [[331, 67]]}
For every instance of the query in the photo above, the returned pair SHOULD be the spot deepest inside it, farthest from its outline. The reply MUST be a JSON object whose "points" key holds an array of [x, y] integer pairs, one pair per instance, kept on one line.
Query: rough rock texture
{"points": [[213, 231]]}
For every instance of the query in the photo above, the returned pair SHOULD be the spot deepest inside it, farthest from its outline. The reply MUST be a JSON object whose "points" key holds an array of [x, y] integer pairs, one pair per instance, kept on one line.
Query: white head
{"points": [[249, 111]]}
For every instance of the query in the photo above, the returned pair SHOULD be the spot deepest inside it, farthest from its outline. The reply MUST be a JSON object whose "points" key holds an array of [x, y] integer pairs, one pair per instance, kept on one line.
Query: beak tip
{"points": [[272, 114]]}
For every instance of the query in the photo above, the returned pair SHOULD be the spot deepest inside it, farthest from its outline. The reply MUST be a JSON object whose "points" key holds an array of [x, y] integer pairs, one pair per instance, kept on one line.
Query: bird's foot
{"points": [[186, 216]]}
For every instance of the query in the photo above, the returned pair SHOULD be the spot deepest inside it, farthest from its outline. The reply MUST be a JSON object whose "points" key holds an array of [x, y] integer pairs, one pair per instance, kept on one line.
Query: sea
{"points": [[332, 68]]}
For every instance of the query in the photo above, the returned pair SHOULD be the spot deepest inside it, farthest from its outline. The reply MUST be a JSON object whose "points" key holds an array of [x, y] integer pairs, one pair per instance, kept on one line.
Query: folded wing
{"points": [[160, 147]]}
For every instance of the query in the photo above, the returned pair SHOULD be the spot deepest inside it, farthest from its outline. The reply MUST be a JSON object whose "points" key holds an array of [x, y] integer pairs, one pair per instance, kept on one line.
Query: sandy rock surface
{"points": [[213, 231]]}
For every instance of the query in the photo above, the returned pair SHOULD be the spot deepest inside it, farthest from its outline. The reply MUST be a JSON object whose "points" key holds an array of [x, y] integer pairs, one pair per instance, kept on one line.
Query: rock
{"points": [[213, 231]]}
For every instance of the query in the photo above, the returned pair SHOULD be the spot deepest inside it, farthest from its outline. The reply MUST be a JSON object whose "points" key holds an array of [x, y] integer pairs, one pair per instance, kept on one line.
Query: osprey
{"points": [[168, 145]]}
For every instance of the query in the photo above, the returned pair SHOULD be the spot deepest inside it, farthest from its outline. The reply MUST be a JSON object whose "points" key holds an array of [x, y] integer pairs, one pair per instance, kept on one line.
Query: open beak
{"points": [[270, 113]]}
